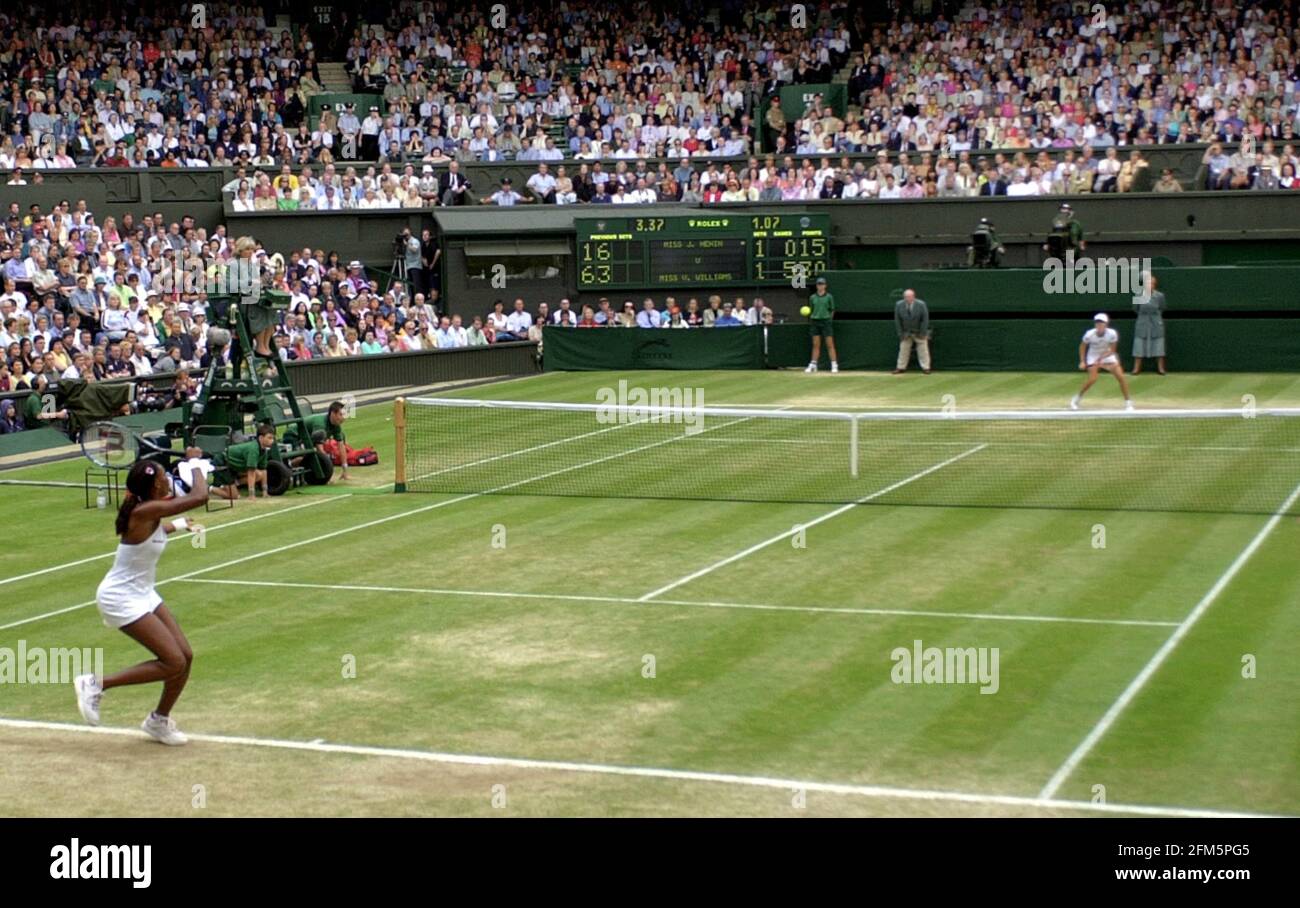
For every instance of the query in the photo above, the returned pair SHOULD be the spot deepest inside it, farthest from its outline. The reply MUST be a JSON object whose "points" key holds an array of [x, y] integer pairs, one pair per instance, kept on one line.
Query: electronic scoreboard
{"points": [[703, 249]]}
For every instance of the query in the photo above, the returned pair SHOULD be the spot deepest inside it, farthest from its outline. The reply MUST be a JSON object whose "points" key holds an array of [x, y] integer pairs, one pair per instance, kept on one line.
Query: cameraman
{"points": [[1066, 235], [985, 250], [411, 260]]}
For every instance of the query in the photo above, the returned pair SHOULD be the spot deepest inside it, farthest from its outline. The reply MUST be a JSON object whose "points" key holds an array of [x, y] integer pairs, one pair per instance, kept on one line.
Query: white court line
{"points": [[39, 482], [811, 523], [1135, 686], [621, 600], [370, 523], [222, 526], [867, 445], [884, 792]]}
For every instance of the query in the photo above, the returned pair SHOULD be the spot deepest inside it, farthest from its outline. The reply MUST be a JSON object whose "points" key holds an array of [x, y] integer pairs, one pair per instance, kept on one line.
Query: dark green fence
{"points": [[425, 367], [597, 349], [993, 344], [1034, 292]]}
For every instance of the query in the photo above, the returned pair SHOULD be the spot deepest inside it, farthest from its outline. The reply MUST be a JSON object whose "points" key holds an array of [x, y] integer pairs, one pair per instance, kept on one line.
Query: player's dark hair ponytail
{"points": [[139, 487]]}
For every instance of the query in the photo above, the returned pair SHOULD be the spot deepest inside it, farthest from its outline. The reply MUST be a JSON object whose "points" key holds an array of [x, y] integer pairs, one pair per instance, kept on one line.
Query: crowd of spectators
{"points": [[517, 323], [589, 82], [86, 301], [90, 301], [768, 179]]}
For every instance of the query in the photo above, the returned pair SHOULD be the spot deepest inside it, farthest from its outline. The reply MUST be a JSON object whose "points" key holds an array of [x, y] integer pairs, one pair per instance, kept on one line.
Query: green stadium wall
{"points": [[986, 344]]}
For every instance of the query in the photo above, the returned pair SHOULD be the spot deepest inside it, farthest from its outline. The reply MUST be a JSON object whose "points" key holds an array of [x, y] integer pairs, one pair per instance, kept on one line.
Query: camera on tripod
{"points": [[401, 246]]}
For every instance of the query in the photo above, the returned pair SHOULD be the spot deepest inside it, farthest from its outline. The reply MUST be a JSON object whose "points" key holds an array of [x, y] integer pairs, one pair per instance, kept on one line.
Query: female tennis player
{"points": [[128, 601], [1097, 351]]}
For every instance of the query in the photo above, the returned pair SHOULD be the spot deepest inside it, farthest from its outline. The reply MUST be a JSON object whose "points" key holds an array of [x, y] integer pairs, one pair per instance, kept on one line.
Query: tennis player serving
{"points": [[128, 601], [1097, 351]]}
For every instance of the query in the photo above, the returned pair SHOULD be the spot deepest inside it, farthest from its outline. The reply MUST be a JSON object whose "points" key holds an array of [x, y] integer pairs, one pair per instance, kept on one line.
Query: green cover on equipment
{"points": [[598, 349]]}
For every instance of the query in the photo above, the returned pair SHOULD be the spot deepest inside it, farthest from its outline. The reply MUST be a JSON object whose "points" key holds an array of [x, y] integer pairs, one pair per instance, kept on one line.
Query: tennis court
{"points": [[642, 620]]}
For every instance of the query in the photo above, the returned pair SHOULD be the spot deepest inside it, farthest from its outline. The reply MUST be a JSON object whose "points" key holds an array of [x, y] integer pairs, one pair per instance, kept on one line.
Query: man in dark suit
{"points": [[453, 188], [995, 185], [859, 78]]}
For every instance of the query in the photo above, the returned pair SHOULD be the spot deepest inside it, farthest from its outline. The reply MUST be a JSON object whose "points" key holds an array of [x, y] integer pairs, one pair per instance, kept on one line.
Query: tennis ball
{"points": [[806, 311]]}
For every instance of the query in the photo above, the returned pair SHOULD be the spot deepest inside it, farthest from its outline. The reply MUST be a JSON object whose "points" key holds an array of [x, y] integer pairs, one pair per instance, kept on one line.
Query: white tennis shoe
{"points": [[1128, 405], [1074, 402], [835, 366], [89, 693], [164, 730], [812, 367]]}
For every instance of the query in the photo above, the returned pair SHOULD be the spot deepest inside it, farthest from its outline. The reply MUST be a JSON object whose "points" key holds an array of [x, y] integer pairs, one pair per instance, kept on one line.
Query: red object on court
{"points": [[357, 457]]}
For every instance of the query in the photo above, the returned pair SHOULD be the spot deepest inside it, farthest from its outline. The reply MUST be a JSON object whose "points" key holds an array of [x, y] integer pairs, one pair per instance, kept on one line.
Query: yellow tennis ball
{"points": [[806, 311]]}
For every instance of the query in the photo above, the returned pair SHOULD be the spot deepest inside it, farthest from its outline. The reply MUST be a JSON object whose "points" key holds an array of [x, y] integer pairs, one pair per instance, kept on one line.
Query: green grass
{"points": [[776, 665]]}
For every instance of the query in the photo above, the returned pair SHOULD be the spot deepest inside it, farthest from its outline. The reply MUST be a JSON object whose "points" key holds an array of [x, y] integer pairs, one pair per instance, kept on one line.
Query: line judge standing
{"points": [[912, 319], [1149, 331]]}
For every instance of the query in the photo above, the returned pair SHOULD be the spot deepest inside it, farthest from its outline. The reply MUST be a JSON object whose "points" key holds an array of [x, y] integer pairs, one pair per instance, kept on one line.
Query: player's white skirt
{"points": [[1111, 360], [120, 607]]}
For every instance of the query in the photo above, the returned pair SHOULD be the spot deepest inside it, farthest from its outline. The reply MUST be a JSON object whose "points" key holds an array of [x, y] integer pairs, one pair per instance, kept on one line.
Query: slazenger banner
{"points": [[796, 98]]}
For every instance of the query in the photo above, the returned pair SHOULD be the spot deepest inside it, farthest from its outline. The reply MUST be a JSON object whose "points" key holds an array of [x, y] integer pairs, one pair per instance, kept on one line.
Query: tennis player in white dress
{"points": [[1098, 351], [128, 601]]}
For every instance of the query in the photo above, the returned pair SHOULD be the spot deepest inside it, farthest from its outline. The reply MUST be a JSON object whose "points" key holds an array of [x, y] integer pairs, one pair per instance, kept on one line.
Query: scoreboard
{"points": [[701, 250]]}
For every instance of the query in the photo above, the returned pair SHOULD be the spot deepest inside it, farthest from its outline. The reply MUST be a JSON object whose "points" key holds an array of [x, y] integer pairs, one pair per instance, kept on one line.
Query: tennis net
{"points": [[1213, 461]]}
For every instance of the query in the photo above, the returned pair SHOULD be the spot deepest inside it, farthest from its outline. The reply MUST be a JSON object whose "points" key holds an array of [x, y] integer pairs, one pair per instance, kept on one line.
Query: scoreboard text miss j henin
{"points": [[703, 250]]}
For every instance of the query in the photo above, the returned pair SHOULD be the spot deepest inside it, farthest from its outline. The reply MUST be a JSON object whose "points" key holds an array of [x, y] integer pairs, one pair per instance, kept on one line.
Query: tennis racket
{"points": [[108, 445]]}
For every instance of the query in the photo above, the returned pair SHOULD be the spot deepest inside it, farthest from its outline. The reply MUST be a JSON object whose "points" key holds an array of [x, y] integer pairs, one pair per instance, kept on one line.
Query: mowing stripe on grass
{"points": [[647, 772], [223, 526], [621, 600], [1135, 686], [803, 526], [390, 517]]}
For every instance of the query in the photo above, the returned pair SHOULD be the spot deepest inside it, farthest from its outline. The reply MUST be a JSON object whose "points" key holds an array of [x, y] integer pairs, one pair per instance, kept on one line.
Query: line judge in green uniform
{"points": [[330, 423], [821, 323]]}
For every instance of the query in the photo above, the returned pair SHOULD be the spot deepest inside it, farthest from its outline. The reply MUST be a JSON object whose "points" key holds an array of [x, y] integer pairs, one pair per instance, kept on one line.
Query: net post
{"points": [[399, 453], [853, 446]]}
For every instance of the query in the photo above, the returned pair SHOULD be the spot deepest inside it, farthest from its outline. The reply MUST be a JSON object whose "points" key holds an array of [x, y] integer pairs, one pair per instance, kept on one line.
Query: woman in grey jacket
{"points": [[1149, 331]]}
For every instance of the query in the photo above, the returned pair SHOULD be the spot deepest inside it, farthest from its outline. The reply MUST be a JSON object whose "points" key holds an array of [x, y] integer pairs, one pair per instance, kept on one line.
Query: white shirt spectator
{"points": [[518, 322]]}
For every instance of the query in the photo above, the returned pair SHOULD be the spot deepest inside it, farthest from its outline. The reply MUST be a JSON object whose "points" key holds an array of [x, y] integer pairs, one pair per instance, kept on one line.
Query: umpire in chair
{"points": [[985, 250]]}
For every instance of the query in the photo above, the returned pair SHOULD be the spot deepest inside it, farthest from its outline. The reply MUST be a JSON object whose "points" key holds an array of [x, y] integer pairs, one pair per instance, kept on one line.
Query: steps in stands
{"points": [[334, 77]]}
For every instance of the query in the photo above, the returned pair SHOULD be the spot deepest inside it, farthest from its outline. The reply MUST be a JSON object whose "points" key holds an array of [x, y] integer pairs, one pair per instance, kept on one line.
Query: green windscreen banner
{"points": [[1047, 344], [796, 98], [619, 349], [957, 344]]}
